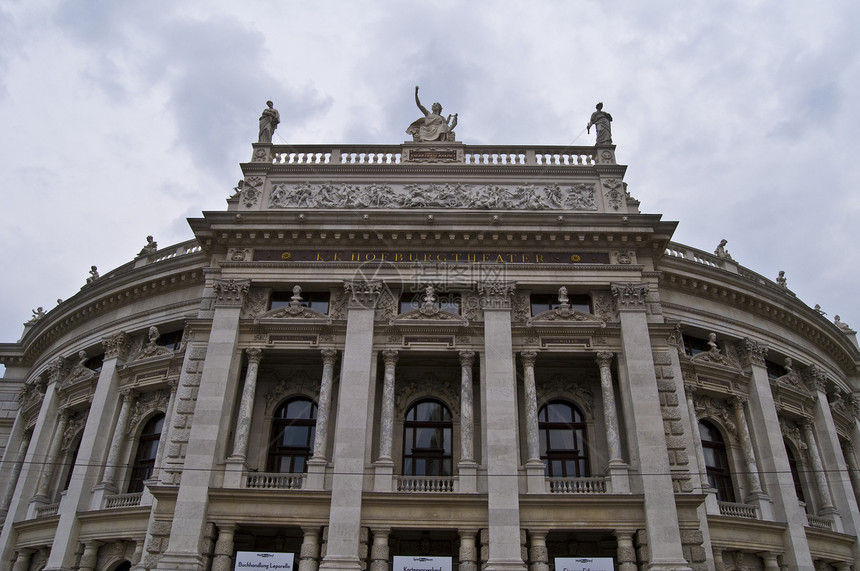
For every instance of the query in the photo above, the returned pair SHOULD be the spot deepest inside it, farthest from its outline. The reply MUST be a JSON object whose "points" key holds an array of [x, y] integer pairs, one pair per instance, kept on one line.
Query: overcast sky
{"points": [[122, 119]]}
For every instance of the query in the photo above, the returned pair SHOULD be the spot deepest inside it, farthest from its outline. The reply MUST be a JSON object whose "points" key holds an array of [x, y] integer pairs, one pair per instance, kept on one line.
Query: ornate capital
{"points": [[329, 356], [604, 358], [630, 296], [815, 378], [128, 395], [230, 293], [752, 352], [529, 358], [255, 354], [496, 294], [467, 358], [58, 370], [737, 401], [116, 346], [389, 356], [363, 294]]}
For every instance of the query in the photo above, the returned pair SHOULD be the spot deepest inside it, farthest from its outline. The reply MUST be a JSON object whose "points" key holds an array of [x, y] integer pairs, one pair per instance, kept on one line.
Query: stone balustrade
{"points": [[274, 481], [425, 484], [123, 501], [589, 485], [819, 522], [733, 509], [47, 510]]}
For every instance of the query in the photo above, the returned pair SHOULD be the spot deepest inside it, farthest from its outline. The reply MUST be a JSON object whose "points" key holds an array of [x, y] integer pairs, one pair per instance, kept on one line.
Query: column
{"points": [[853, 468], [613, 441], [530, 392], [318, 462], [165, 433], [644, 422], [386, 425], [12, 482], [769, 558], [128, 397], [626, 554], [538, 554], [817, 467], [51, 461], [467, 467], [690, 392], [309, 553], [208, 435], [22, 561], [379, 550], [90, 556], [223, 559], [355, 406], [246, 405], [763, 421], [468, 553], [499, 394], [746, 444]]}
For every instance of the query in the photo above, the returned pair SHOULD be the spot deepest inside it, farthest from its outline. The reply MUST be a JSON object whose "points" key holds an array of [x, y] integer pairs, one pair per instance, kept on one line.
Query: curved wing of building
{"points": [[477, 356]]}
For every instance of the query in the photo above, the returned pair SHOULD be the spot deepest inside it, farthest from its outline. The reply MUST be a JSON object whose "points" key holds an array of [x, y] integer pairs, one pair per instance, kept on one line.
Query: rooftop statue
{"points": [[432, 127], [151, 247], [721, 251], [94, 274], [601, 122], [268, 123]]}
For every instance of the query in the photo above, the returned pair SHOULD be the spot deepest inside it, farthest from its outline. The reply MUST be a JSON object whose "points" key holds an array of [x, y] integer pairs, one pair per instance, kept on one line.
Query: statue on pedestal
{"points": [[432, 127], [601, 122], [268, 123]]}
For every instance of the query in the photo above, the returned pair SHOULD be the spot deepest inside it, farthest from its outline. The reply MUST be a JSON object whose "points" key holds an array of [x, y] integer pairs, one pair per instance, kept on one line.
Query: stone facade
{"points": [[431, 349]]}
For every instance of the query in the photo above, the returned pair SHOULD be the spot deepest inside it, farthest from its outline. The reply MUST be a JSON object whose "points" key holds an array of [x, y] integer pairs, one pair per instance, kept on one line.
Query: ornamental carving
{"points": [[256, 302], [295, 382], [79, 370], [521, 309], [151, 348], [295, 310], [337, 306], [430, 311], [713, 355], [76, 424], [630, 295], [752, 352], [230, 293], [842, 404], [386, 307], [410, 387], [792, 378], [58, 370], [496, 294], [450, 195], [564, 313], [116, 346], [815, 379], [707, 407], [559, 384], [251, 190], [363, 294], [614, 193], [144, 405], [471, 306], [604, 307]]}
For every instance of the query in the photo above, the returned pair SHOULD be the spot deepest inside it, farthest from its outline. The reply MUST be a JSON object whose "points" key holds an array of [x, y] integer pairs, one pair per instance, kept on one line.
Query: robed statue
{"points": [[268, 123], [432, 127], [601, 122]]}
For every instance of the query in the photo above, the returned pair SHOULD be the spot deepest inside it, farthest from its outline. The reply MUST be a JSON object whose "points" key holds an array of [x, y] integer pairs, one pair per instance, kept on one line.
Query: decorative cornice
{"points": [[630, 296], [230, 293]]}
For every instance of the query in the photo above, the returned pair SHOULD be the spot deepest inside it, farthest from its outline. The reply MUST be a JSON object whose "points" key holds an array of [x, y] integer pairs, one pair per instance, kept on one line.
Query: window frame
{"points": [[439, 457], [578, 426], [141, 469], [719, 477], [276, 454]]}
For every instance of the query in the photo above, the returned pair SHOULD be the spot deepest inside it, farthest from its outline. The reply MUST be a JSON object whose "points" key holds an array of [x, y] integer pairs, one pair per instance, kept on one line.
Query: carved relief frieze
{"points": [[386, 307], [565, 314], [75, 425], [337, 306], [449, 195], [144, 405], [521, 309], [708, 407], [605, 307], [251, 190], [560, 385], [614, 194], [410, 386], [471, 306], [239, 254], [290, 382], [256, 303]]}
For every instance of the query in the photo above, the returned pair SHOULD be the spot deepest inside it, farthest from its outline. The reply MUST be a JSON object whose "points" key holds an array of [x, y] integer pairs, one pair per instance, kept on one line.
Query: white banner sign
{"points": [[404, 563], [584, 564], [262, 560]]}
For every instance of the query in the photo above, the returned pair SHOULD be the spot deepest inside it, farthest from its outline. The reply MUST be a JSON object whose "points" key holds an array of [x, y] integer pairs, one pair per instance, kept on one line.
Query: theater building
{"points": [[434, 349]]}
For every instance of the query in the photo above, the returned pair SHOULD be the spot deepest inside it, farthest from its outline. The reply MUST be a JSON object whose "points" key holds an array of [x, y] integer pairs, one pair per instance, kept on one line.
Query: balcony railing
{"points": [[819, 522], [590, 485], [426, 484], [274, 481], [733, 509], [48, 510], [123, 501]]}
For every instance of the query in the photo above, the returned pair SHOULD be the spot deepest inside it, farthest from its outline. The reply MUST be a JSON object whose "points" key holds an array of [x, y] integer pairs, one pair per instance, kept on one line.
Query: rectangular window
{"points": [[316, 300], [541, 302]]}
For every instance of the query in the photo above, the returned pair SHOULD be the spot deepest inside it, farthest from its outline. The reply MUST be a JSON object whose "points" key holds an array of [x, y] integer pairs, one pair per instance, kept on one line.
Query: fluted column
{"points": [[172, 384], [817, 467], [530, 391], [749, 455], [538, 554], [309, 553], [386, 429], [90, 556], [613, 441], [329, 357], [246, 405], [51, 460], [9, 491], [626, 554], [467, 428], [468, 553], [128, 397], [379, 550], [223, 559]]}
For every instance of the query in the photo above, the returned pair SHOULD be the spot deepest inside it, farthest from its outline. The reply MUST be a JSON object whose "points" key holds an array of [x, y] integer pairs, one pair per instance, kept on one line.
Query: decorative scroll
{"points": [[450, 195]]}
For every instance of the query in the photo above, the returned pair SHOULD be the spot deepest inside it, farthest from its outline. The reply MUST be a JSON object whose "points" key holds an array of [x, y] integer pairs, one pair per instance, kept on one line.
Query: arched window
{"points": [[293, 429], [716, 461], [147, 447], [427, 440], [795, 474], [563, 445]]}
